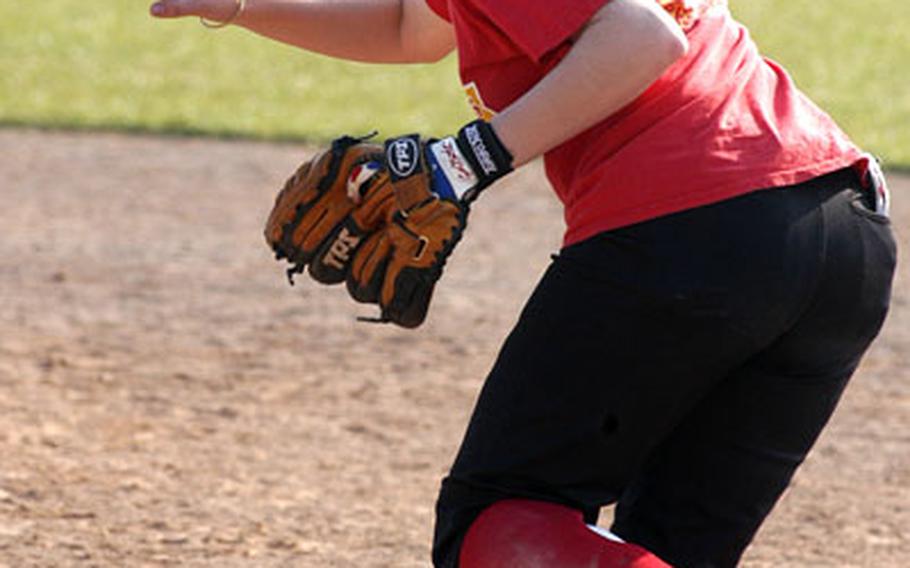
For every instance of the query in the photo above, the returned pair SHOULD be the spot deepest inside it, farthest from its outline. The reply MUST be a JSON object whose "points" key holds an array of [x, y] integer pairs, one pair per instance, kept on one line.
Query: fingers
{"points": [[172, 8], [217, 10]]}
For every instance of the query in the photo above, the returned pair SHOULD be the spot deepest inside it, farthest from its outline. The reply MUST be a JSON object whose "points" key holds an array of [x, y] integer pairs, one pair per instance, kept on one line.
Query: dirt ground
{"points": [[166, 399]]}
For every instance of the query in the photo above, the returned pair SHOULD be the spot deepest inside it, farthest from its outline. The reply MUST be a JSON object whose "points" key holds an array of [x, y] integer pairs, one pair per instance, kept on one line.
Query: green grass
{"points": [[106, 64], [851, 56]]}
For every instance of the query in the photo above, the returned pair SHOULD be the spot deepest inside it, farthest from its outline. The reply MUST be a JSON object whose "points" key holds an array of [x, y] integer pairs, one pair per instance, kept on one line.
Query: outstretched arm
{"points": [[373, 31], [624, 48]]}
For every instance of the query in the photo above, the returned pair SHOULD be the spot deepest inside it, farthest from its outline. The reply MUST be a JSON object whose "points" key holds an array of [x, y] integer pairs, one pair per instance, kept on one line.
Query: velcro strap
{"points": [[488, 157], [405, 161], [403, 156]]}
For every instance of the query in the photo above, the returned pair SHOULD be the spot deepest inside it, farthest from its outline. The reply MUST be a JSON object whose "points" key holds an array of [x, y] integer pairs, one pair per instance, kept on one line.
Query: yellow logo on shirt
{"points": [[686, 12], [476, 101]]}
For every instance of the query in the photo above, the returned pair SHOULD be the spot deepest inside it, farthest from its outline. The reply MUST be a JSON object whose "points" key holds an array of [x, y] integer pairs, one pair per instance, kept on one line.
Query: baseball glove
{"points": [[385, 220], [327, 208], [434, 182], [398, 267]]}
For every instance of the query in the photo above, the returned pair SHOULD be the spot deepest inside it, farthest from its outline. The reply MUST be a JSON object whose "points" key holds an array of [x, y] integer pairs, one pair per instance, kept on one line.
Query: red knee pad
{"points": [[533, 534]]}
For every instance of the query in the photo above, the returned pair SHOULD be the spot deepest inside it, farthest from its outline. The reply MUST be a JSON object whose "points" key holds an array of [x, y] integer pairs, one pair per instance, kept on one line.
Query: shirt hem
{"points": [[641, 214]]}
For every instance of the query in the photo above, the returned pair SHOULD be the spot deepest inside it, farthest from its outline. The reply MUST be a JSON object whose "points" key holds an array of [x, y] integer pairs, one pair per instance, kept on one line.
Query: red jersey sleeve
{"points": [[441, 7], [538, 26]]}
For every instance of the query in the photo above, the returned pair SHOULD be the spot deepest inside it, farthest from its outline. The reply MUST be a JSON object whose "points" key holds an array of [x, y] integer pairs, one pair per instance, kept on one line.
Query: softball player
{"points": [[727, 261]]}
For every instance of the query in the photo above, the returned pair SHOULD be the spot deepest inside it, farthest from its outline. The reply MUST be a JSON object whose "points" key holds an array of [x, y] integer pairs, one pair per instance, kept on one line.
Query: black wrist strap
{"points": [[485, 152]]}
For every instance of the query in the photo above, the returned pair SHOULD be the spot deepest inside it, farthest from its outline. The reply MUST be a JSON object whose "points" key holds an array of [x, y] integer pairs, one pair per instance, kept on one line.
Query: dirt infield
{"points": [[155, 409]]}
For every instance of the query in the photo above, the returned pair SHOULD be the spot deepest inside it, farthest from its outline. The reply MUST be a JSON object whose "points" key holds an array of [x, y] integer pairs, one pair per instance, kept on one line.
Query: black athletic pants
{"points": [[681, 368]]}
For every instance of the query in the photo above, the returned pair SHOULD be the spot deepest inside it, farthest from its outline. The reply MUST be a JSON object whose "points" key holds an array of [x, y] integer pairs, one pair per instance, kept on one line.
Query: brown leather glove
{"points": [[384, 219], [328, 207], [433, 181], [398, 267]]}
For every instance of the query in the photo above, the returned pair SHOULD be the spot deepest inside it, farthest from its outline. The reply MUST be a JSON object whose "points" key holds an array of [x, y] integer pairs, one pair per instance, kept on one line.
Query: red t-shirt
{"points": [[720, 122]]}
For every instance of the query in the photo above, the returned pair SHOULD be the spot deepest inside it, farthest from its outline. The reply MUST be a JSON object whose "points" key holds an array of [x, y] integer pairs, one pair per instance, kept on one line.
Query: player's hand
{"points": [[398, 266], [433, 183], [385, 219], [214, 10]]}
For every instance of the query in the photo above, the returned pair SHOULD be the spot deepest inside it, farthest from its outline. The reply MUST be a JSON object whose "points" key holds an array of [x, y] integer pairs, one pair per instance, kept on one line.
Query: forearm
{"points": [[372, 31], [626, 47], [360, 30]]}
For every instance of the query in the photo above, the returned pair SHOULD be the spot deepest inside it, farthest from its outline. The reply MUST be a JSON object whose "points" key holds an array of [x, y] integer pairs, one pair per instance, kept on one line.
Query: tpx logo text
{"points": [[402, 156]]}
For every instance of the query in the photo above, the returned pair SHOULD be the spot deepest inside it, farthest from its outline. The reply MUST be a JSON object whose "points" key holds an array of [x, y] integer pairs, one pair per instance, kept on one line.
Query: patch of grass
{"points": [[852, 57], [106, 64]]}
